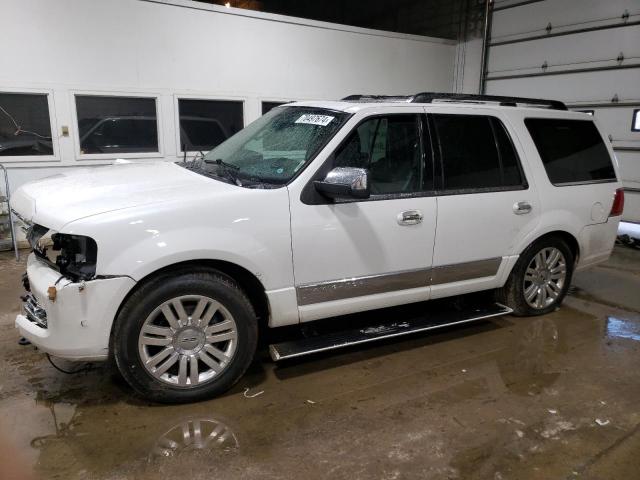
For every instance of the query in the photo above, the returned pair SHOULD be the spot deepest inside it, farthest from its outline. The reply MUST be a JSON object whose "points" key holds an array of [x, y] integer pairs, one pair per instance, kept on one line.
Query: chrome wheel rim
{"points": [[188, 341], [545, 278]]}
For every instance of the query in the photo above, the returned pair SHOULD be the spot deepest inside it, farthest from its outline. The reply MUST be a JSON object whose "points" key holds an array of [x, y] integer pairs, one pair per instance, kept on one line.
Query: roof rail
{"points": [[432, 97], [378, 98]]}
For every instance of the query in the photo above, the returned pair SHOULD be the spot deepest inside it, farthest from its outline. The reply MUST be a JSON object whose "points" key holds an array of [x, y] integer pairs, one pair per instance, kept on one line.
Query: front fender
{"points": [[250, 228]]}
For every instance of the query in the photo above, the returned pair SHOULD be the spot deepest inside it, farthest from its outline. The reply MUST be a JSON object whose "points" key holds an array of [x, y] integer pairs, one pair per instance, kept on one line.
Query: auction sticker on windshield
{"points": [[322, 120]]}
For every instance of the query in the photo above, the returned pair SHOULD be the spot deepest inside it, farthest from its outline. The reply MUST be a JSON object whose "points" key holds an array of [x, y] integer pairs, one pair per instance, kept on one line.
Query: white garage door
{"points": [[583, 52]]}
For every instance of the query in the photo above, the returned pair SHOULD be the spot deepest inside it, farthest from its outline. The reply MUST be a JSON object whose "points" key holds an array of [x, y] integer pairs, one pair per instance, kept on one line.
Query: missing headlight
{"points": [[73, 255], [78, 255]]}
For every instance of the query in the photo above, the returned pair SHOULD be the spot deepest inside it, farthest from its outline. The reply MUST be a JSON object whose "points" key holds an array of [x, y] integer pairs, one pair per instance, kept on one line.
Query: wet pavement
{"points": [[553, 397]]}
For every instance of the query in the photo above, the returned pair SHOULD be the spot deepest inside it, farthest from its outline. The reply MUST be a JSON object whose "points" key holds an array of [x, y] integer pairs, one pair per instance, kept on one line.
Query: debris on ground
{"points": [[246, 390], [601, 422]]}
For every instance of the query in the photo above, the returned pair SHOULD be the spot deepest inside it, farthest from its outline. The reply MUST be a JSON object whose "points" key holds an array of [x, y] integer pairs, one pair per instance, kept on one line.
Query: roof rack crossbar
{"points": [[431, 97]]}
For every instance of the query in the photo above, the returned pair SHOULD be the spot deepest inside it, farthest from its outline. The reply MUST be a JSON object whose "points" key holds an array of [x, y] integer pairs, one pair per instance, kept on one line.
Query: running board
{"points": [[332, 341]]}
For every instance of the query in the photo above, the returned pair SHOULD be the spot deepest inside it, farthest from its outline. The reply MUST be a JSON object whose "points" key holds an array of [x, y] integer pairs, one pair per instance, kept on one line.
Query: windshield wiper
{"points": [[219, 161], [228, 169]]}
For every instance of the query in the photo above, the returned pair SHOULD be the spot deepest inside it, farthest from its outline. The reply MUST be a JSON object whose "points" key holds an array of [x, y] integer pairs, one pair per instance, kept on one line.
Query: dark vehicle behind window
{"points": [[113, 124], [572, 151], [205, 124]]}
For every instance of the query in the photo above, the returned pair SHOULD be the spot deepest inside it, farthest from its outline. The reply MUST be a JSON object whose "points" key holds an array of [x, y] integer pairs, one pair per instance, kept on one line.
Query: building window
{"points": [[110, 124], [25, 124], [635, 124], [205, 124], [268, 106]]}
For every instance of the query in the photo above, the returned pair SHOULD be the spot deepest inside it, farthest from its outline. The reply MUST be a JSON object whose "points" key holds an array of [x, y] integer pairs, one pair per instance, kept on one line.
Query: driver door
{"points": [[361, 254]]}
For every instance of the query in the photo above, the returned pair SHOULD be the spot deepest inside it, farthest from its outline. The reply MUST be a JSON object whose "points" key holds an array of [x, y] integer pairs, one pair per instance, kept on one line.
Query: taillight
{"points": [[618, 203]]}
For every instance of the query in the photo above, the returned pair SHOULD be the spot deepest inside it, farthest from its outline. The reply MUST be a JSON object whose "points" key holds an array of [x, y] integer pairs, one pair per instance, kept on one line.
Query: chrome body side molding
{"points": [[341, 289], [360, 286]]}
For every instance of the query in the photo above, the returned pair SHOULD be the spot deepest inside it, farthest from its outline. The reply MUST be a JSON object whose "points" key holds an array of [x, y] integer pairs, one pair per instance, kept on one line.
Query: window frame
{"points": [[188, 96], [275, 100], [636, 113], [439, 162], [115, 94], [53, 125], [544, 167], [310, 196]]}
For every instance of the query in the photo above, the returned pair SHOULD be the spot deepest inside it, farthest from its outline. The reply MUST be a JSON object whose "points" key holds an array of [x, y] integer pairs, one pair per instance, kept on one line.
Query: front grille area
{"points": [[33, 311]]}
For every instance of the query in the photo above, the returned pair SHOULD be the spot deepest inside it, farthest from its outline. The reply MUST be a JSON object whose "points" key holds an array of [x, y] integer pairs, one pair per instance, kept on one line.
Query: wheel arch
{"points": [[568, 238], [246, 280]]}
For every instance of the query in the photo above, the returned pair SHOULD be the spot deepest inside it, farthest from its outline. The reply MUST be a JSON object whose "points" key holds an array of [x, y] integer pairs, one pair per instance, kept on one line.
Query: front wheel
{"points": [[185, 336], [540, 279]]}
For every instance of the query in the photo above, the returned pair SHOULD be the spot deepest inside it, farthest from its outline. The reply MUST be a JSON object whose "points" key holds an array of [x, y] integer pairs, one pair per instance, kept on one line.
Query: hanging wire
{"points": [[19, 129]]}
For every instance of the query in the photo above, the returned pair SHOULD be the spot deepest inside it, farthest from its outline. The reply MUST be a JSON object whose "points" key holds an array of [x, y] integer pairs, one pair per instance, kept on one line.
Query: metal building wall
{"points": [[584, 52]]}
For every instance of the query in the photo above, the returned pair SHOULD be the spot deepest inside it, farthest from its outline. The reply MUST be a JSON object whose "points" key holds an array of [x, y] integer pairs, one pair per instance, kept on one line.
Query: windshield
{"points": [[272, 149]]}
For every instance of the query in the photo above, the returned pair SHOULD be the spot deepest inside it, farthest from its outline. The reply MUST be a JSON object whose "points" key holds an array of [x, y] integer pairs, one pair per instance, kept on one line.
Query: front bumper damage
{"points": [[72, 321]]}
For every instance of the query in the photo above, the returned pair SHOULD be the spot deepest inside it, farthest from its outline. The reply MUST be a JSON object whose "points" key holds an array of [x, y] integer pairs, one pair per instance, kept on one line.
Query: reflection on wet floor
{"points": [[528, 398], [617, 327]]}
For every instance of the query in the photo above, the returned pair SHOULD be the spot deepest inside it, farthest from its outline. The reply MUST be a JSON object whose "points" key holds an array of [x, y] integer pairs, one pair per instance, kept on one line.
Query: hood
{"points": [[57, 200]]}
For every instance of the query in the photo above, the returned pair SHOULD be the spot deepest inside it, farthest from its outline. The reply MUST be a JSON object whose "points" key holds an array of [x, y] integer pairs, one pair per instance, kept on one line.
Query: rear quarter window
{"points": [[572, 151]]}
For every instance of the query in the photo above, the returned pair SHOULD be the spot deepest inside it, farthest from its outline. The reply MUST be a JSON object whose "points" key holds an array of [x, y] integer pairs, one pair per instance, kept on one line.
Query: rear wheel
{"points": [[540, 279], [185, 337]]}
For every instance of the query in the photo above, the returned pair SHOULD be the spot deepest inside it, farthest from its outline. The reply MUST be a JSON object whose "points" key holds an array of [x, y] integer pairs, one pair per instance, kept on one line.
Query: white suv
{"points": [[315, 210]]}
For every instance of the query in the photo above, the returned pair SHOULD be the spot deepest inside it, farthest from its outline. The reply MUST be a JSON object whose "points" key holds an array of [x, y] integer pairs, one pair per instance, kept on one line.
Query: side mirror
{"points": [[345, 182]]}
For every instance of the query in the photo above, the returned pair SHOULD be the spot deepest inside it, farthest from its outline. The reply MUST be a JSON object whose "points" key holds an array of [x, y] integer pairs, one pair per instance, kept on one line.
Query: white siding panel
{"points": [[576, 87], [573, 51], [532, 19]]}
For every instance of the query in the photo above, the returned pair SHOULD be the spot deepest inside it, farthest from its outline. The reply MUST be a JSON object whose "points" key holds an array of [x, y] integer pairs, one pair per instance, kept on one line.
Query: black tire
{"points": [[512, 294], [146, 300]]}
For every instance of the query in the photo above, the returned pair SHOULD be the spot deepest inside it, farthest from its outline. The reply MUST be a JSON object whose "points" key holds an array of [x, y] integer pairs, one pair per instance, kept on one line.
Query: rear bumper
{"points": [[596, 242], [78, 322]]}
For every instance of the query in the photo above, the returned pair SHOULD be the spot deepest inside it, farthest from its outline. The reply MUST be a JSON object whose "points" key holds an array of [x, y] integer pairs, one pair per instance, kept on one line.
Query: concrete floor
{"points": [[554, 397]]}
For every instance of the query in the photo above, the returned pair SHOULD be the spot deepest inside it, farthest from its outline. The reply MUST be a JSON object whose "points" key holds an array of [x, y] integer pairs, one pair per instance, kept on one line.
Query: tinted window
{"points": [[511, 174], [390, 148], [205, 124], [117, 124], [572, 151], [470, 158], [268, 106], [25, 127]]}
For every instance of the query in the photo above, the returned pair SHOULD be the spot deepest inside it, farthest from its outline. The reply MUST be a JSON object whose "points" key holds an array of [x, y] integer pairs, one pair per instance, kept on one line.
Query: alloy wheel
{"points": [[188, 341], [545, 278]]}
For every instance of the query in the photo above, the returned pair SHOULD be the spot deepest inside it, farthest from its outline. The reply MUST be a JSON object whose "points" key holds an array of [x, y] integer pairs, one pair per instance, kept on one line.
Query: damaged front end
{"points": [[74, 256]]}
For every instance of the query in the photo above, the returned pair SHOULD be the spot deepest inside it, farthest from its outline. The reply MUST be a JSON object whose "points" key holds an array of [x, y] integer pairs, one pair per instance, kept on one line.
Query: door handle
{"points": [[410, 217], [521, 208]]}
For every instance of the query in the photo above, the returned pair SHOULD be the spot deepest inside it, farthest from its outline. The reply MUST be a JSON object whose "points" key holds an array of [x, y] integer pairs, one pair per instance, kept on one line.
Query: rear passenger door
{"points": [[485, 203]]}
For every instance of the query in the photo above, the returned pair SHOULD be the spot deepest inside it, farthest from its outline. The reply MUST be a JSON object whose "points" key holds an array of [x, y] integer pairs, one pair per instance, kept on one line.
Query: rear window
{"points": [[572, 151]]}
